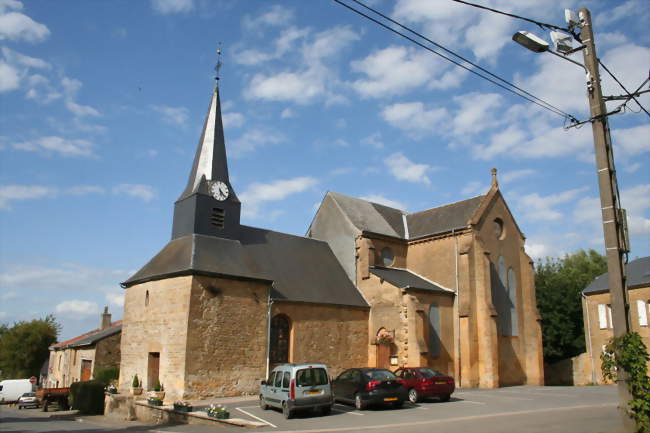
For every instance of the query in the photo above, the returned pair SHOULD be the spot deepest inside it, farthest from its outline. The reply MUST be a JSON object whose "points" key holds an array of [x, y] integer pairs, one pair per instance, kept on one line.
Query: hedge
{"points": [[88, 397]]}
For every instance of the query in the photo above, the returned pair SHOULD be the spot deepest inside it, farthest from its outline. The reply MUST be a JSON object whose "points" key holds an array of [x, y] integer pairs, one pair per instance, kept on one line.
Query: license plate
{"points": [[391, 399], [313, 392], [441, 383]]}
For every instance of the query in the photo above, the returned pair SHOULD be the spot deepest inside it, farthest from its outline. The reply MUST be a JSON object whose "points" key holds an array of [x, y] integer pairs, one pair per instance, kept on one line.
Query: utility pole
{"points": [[611, 213]]}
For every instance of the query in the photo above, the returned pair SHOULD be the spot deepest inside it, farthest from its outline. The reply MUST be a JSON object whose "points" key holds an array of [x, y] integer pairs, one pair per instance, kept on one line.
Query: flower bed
{"points": [[153, 401], [182, 406], [218, 411]]}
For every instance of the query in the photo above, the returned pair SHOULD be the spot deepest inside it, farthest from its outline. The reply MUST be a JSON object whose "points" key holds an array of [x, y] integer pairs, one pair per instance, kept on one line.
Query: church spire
{"points": [[209, 205]]}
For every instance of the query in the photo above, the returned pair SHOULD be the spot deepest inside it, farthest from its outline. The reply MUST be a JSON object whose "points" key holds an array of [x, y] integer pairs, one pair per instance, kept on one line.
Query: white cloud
{"points": [[286, 42], [539, 251], [512, 175], [636, 200], [77, 307], [312, 79], [474, 187], [636, 8], [62, 146], [8, 295], [534, 207], [380, 199], [632, 141], [116, 299], [476, 112], [9, 77], [70, 88], [16, 26], [287, 113], [143, 192], [165, 7], [396, 70], [17, 58], [257, 193], [174, 115], [232, 120], [68, 277], [9, 193], [80, 110], [274, 16], [373, 140], [253, 139], [414, 118], [85, 190], [403, 168]]}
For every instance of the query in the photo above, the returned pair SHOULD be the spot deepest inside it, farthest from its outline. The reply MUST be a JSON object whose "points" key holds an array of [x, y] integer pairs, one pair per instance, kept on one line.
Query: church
{"points": [[222, 303]]}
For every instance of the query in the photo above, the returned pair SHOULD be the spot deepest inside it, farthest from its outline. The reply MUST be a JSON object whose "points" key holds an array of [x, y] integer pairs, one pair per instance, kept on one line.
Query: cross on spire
{"points": [[217, 67]]}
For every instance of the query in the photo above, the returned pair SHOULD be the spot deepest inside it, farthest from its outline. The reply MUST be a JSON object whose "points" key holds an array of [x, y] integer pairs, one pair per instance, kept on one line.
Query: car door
{"points": [[409, 378], [267, 395], [342, 386]]}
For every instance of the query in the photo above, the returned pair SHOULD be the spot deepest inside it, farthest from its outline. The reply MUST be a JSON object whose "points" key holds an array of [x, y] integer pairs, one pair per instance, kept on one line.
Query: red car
{"points": [[423, 382]]}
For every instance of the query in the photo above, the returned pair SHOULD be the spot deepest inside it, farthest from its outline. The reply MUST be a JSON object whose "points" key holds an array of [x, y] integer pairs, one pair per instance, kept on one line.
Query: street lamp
{"points": [[613, 217]]}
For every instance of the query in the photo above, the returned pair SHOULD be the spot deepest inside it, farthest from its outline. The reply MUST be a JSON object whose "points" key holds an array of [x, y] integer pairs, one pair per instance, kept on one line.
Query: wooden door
{"points": [[153, 369], [86, 369], [383, 356]]}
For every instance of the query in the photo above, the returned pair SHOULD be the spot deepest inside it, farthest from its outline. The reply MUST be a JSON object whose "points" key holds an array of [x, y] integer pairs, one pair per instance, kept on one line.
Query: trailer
{"points": [[60, 396]]}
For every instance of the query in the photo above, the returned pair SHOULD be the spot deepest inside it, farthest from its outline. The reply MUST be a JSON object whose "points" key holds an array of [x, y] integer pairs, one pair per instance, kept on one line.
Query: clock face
{"points": [[219, 190]]}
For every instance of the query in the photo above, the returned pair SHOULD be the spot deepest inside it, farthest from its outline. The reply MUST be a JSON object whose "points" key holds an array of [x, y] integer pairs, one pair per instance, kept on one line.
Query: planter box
{"points": [[136, 391], [219, 415], [154, 402], [183, 408]]}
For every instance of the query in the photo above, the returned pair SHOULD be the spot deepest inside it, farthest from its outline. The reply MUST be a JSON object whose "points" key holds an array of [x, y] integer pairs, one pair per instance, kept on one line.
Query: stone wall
{"points": [[107, 352], [334, 335], [156, 320], [226, 344], [575, 371]]}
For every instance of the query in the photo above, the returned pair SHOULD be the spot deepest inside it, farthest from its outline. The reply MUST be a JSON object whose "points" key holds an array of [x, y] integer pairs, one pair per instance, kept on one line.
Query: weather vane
{"points": [[217, 68]]}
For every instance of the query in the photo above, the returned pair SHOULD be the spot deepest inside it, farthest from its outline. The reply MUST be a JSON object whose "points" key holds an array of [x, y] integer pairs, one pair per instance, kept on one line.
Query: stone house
{"points": [[597, 314], [78, 358], [222, 302], [452, 285]]}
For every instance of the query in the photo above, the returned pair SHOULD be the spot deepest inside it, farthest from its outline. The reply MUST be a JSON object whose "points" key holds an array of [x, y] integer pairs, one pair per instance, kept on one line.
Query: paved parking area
{"points": [[548, 409], [519, 409]]}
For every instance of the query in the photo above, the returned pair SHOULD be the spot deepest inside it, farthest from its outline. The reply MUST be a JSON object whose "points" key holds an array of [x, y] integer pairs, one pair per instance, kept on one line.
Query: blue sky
{"points": [[102, 105]]}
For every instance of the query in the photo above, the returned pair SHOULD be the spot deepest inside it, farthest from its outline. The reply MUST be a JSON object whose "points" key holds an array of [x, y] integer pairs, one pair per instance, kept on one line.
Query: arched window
{"points": [[279, 347], [434, 330], [512, 295]]}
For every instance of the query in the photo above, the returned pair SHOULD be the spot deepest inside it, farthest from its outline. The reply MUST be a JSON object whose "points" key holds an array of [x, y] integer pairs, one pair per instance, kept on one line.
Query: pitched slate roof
{"points": [[376, 218], [301, 269], [637, 273], [405, 279], [89, 338]]}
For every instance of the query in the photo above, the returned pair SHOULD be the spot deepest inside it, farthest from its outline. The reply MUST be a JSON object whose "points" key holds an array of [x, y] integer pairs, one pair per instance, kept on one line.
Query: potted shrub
{"points": [[218, 411], [136, 386], [154, 401], [182, 406], [112, 388], [158, 390]]}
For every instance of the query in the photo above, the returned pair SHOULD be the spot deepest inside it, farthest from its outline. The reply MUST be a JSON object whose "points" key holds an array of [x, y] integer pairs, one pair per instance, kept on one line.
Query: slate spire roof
{"points": [[210, 161]]}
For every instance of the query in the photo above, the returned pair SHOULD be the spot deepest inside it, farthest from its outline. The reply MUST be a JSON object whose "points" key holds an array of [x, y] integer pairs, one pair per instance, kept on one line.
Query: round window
{"points": [[498, 228], [387, 256]]}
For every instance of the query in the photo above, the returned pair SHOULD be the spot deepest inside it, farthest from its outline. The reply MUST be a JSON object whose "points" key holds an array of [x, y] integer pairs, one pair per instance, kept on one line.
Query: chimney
{"points": [[106, 319]]}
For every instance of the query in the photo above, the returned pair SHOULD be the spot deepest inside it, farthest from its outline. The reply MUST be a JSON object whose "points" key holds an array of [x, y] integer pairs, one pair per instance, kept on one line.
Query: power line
{"points": [[539, 23], [534, 99], [631, 95]]}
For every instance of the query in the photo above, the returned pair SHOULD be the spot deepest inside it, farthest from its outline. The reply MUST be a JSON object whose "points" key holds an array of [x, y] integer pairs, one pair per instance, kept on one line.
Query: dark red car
{"points": [[423, 382]]}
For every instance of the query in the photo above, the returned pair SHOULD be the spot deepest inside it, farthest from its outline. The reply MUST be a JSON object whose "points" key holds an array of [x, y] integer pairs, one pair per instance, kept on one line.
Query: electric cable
{"points": [[542, 103], [631, 95], [455, 54], [539, 23]]}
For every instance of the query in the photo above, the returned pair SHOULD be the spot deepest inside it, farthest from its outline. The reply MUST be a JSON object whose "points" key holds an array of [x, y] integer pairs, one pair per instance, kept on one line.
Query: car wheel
{"points": [[413, 396], [358, 403], [263, 404], [445, 397], [286, 411]]}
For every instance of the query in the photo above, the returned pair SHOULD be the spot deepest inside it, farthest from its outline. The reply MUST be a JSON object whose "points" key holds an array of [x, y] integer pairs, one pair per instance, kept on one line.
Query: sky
{"points": [[102, 104]]}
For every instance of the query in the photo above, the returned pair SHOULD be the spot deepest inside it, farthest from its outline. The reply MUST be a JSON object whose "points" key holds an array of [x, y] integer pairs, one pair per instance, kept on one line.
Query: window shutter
{"points": [[609, 316], [602, 316], [643, 313]]}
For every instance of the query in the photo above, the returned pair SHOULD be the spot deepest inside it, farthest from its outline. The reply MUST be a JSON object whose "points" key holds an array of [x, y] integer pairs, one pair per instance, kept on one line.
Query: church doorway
{"points": [[153, 369], [280, 339]]}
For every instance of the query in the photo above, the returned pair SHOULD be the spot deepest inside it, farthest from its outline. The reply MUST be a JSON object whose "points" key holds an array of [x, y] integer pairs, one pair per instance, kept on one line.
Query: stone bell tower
{"points": [[209, 205]]}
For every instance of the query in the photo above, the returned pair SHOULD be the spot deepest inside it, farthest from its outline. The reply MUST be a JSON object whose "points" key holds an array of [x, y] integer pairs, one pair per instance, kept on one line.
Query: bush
{"points": [[106, 375], [88, 397], [136, 382]]}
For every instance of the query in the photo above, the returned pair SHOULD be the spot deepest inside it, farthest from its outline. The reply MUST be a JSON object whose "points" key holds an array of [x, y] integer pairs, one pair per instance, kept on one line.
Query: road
{"points": [[516, 409]]}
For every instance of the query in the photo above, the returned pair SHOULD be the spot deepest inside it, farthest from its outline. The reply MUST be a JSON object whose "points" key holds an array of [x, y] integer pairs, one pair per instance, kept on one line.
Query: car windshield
{"points": [[380, 375], [311, 377], [29, 394], [428, 373]]}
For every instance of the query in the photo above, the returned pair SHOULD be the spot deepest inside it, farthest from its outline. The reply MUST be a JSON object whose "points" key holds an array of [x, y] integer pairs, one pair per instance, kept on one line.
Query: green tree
{"points": [[25, 346], [559, 283]]}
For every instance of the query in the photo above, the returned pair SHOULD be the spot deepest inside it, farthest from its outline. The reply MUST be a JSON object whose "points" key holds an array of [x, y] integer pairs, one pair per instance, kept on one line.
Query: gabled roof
{"points": [[89, 338], [405, 279], [301, 269], [376, 218], [637, 273]]}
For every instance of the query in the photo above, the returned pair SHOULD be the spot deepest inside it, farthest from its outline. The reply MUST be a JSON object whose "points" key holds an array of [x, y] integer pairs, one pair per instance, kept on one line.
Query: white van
{"points": [[11, 390]]}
